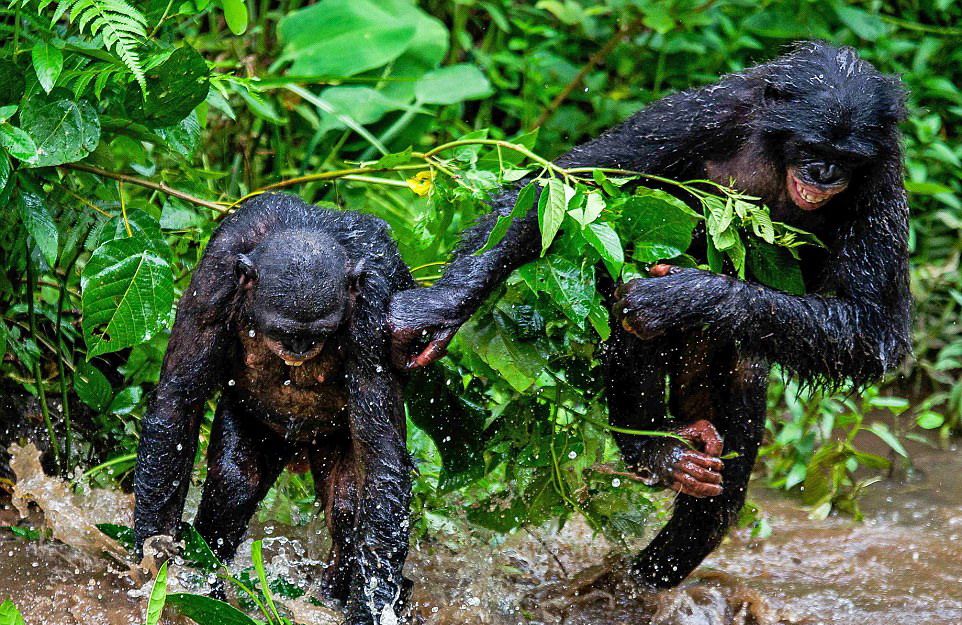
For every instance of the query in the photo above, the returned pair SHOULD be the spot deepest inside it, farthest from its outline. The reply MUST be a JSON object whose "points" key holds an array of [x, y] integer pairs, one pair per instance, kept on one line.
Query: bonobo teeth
{"points": [[293, 363]]}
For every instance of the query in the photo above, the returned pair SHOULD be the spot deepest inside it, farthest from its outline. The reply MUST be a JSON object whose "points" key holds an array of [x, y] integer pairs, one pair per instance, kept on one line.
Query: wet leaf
{"points": [[40, 224], [127, 295], [551, 212], [882, 431], [174, 89], [47, 63], [158, 597], [121, 533], [775, 267], [92, 386], [659, 229], [63, 130], [451, 84], [522, 205], [207, 611]]}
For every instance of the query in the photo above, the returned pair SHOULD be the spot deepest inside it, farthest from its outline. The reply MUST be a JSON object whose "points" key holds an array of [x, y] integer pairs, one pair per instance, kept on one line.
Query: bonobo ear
{"points": [[244, 271], [356, 275]]}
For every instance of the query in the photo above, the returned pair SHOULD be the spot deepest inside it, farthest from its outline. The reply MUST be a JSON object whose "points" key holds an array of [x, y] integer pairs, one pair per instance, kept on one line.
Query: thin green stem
{"points": [[620, 430], [62, 370], [41, 393]]}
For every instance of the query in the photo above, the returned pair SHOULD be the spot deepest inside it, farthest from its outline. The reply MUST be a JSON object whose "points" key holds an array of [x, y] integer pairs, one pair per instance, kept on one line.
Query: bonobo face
{"points": [[300, 292], [827, 116]]}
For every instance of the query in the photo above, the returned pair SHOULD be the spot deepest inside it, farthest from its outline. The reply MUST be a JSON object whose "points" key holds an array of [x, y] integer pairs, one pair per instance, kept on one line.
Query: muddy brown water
{"points": [[902, 565]]}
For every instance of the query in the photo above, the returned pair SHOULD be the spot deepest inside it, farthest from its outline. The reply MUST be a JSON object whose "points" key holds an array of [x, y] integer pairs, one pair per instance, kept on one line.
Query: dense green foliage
{"points": [[127, 130]]}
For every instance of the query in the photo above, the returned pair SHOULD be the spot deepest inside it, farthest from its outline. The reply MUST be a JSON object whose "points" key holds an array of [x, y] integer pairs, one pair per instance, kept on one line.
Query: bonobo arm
{"points": [[672, 137], [857, 327], [378, 435], [193, 368]]}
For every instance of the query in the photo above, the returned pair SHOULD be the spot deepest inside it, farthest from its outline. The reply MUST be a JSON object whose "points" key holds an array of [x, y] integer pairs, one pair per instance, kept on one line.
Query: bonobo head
{"points": [[826, 116], [299, 286]]}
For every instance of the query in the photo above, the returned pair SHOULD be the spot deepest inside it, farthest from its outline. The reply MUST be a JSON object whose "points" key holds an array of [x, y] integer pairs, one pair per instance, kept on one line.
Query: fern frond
{"points": [[121, 25]]}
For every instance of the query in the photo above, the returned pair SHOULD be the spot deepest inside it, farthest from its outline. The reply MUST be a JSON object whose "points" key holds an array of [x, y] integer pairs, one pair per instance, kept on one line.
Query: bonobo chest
{"points": [[295, 401]]}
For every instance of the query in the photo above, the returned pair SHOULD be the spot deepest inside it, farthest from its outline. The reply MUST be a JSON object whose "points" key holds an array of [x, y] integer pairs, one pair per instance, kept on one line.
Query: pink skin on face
{"points": [[808, 197]]}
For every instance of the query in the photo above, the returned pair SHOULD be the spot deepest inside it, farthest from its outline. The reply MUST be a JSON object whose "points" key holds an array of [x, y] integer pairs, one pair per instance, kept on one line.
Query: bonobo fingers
{"points": [[703, 434], [435, 350], [697, 474]]}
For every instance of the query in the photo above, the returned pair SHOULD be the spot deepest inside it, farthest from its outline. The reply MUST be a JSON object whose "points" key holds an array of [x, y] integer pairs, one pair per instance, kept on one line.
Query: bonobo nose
{"points": [[298, 346], [826, 173]]}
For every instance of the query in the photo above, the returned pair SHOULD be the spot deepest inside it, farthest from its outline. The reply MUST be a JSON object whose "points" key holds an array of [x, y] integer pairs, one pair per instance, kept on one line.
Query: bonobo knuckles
{"points": [[670, 299]]}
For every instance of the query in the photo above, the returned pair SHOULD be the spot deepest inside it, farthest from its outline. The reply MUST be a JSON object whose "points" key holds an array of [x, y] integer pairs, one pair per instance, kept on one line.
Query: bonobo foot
{"points": [[686, 470]]}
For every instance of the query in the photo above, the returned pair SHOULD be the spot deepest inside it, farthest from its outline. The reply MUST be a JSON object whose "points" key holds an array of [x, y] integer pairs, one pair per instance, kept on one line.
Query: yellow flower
{"points": [[421, 183]]}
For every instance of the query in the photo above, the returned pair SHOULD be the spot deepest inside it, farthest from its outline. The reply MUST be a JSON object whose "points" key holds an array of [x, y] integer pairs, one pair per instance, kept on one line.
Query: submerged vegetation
{"points": [[128, 130]]}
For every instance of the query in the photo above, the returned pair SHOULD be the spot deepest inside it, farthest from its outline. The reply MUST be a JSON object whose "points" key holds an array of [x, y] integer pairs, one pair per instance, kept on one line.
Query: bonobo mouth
{"points": [[808, 196], [290, 358]]}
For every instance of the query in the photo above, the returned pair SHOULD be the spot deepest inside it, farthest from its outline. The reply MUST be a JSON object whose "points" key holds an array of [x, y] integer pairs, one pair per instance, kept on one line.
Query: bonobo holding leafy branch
{"points": [[286, 316], [814, 135]]}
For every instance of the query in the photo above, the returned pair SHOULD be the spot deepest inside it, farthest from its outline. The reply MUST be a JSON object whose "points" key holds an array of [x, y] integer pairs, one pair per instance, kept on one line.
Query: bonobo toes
{"points": [[695, 472]]}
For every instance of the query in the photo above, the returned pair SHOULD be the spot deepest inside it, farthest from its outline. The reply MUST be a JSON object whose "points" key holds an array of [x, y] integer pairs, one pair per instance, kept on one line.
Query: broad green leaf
{"points": [[342, 38], [518, 362], [121, 533], [207, 611], [393, 160], [926, 188], [660, 229], [47, 63], [64, 131], [174, 89], [235, 14], [92, 386], [142, 226], [363, 105], [864, 24], [8, 111], [522, 205], [9, 615], [158, 597], [17, 142], [126, 400], [882, 431], [451, 84], [127, 295], [930, 420], [775, 267], [570, 286], [5, 170], [11, 83], [196, 550], [604, 239], [551, 212], [40, 224]]}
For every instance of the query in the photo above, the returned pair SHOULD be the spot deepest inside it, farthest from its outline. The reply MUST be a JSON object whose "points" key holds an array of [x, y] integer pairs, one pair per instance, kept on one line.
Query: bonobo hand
{"points": [[691, 472], [423, 322], [677, 298]]}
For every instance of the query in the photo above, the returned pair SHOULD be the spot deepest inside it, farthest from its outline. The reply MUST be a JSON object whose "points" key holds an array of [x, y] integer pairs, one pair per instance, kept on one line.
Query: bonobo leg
{"points": [[731, 392], [336, 484], [244, 459]]}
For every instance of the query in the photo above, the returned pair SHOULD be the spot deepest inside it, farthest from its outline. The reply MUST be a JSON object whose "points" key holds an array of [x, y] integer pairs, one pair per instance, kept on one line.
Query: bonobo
{"points": [[814, 134], [286, 316]]}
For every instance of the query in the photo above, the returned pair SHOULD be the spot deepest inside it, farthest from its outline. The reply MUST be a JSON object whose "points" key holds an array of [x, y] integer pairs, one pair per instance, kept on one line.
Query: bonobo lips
{"points": [[809, 197], [294, 360]]}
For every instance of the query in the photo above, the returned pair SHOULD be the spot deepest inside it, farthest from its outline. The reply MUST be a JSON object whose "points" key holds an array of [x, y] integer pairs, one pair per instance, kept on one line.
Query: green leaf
{"points": [[47, 63], [196, 550], [775, 267], [455, 83], [11, 83], [17, 142], [393, 160], [40, 224], [64, 131], [235, 13], [127, 295], [158, 597], [604, 239], [862, 23], [882, 431], [206, 611], [343, 38], [929, 420], [522, 205], [92, 386], [570, 286], [518, 362], [257, 557], [142, 226], [125, 400], [926, 188], [9, 615], [174, 89], [551, 212], [660, 229], [121, 533]]}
